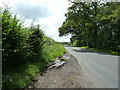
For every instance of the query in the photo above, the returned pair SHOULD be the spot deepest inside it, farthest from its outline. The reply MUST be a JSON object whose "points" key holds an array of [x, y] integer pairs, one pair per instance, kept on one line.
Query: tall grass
{"points": [[54, 51], [23, 75]]}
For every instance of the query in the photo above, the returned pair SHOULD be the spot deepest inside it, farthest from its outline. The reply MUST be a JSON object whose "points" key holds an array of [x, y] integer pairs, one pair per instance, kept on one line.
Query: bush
{"points": [[26, 51], [13, 39]]}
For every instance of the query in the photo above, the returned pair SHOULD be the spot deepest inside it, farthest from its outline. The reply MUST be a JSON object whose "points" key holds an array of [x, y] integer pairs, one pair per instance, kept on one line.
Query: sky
{"points": [[50, 14]]}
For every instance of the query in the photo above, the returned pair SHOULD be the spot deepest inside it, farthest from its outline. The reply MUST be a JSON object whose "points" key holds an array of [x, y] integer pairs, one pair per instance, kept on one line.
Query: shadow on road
{"points": [[83, 50]]}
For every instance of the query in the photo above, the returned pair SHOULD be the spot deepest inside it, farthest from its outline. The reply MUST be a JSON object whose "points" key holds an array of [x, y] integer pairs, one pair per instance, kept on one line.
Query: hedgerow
{"points": [[25, 51]]}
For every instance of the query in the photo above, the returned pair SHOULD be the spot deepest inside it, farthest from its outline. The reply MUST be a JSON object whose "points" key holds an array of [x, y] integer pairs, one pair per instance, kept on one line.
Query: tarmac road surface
{"points": [[100, 69]]}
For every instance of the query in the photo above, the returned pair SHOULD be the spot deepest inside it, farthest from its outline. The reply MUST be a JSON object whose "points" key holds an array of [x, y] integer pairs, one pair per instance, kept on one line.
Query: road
{"points": [[100, 70]]}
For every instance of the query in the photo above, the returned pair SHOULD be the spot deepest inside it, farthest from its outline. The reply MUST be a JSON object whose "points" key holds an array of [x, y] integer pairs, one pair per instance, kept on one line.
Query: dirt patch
{"points": [[66, 76]]}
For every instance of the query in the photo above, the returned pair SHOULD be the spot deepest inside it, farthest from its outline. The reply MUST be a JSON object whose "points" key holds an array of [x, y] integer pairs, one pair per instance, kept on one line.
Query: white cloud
{"points": [[48, 13]]}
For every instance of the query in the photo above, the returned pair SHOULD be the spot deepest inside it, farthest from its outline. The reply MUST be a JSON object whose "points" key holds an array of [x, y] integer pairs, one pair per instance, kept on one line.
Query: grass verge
{"points": [[54, 51], [102, 50], [21, 76]]}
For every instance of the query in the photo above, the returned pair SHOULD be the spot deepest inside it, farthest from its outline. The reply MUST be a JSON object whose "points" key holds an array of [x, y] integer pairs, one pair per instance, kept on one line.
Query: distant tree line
{"points": [[93, 24]]}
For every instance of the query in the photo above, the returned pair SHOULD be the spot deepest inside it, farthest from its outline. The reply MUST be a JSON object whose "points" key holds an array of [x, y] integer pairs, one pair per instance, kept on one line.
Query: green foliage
{"points": [[22, 74], [93, 24], [103, 50], [36, 42], [53, 49], [26, 51], [15, 80], [12, 38]]}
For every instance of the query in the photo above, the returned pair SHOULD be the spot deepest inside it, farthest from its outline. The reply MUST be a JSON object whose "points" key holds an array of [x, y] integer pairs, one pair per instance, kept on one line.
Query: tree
{"points": [[36, 42], [13, 38], [94, 24]]}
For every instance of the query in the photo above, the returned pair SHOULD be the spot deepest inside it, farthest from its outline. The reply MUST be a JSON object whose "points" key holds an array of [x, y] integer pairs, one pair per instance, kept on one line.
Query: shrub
{"points": [[26, 51]]}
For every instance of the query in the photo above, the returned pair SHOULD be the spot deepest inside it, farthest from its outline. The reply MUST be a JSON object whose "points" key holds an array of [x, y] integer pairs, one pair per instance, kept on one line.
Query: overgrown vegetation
{"points": [[93, 24], [25, 51]]}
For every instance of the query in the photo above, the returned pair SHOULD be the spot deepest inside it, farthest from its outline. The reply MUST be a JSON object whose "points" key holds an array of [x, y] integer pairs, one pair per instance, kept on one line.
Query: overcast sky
{"points": [[48, 13]]}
